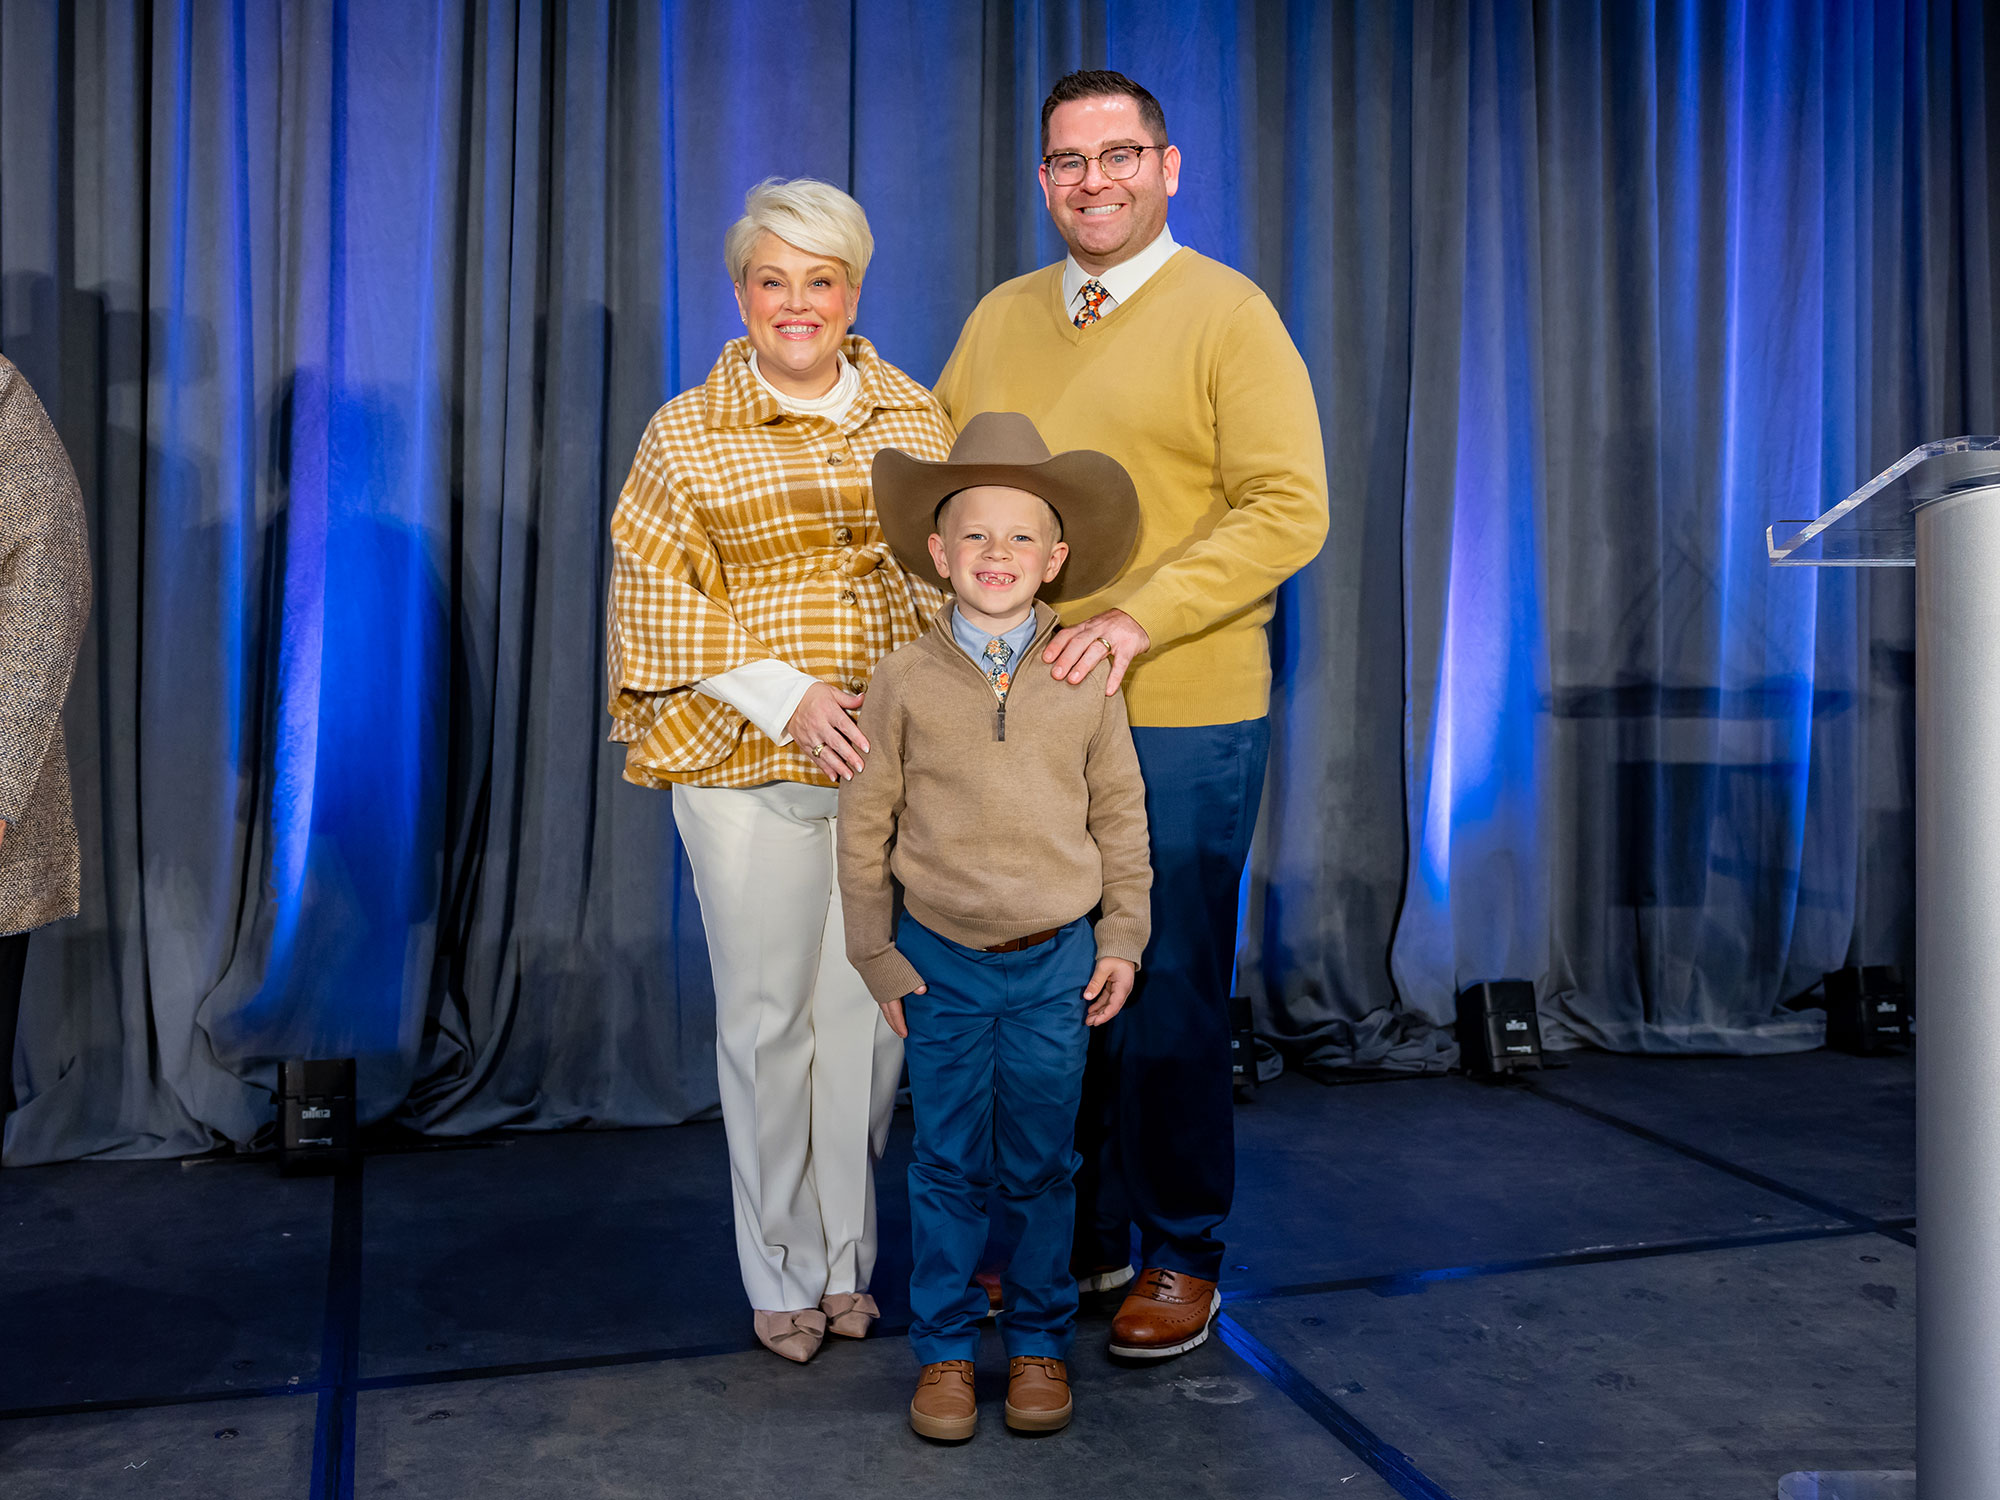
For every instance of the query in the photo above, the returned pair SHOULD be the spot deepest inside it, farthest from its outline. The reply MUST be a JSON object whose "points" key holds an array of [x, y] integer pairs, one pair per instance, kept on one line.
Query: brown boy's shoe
{"points": [[1166, 1312], [1038, 1397], [943, 1407]]}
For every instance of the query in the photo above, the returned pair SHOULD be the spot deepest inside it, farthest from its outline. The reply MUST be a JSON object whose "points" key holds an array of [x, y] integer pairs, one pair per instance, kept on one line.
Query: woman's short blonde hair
{"points": [[815, 216]]}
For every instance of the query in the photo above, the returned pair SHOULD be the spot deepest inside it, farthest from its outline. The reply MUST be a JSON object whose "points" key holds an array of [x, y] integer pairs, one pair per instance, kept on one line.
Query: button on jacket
{"points": [[44, 596], [745, 534]]}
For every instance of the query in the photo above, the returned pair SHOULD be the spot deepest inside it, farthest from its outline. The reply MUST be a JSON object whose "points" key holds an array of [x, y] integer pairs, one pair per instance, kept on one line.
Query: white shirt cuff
{"points": [[767, 693]]}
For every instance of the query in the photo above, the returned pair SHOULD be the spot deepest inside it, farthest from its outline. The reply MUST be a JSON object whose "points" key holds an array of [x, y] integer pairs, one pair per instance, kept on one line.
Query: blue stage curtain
{"points": [[352, 312], [1680, 270]]}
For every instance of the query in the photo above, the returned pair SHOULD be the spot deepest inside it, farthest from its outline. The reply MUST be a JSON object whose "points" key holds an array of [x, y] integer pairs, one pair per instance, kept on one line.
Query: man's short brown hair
{"points": [[1101, 83]]}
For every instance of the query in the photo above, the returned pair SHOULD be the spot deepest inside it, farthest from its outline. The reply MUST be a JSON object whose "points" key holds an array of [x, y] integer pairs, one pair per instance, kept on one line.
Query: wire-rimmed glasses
{"points": [[1068, 168]]}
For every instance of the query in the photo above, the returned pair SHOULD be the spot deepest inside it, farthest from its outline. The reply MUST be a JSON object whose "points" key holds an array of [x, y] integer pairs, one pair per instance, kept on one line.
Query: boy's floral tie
{"points": [[1094, 297], [998, 655]]}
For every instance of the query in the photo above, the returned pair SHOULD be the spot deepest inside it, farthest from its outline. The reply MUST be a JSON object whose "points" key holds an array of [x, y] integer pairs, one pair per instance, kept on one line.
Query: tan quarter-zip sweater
{"points": [[989, 838]]}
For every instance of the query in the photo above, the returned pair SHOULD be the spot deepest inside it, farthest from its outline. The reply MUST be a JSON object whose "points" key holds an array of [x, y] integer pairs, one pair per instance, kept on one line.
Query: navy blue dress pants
{"points": [[1157, 1126], [995, 1051], [13, 964]]}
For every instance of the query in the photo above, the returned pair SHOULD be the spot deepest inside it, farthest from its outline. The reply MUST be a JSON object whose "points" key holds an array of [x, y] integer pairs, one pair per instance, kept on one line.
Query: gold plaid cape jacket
{"points": [[744, 534]]}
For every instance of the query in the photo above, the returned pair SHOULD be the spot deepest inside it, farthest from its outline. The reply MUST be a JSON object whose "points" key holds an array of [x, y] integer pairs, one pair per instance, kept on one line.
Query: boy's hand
{"points": [[892, 1012], [1110, 983]]}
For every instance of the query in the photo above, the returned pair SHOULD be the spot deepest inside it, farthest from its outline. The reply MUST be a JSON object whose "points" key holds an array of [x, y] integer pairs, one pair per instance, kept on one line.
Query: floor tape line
{"points": [[340, 1343], [1393, 1283], [1709, 1159], [413, 1378], [155, 1403], [1391, 1463]]}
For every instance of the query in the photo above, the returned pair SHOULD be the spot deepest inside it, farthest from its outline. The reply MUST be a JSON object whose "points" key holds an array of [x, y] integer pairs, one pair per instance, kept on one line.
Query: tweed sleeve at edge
{"points": [[44, 589]]}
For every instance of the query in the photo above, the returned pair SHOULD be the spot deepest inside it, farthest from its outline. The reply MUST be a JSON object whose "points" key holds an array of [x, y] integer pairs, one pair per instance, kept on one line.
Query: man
{"points": [[44, 596], [1180, 369]]}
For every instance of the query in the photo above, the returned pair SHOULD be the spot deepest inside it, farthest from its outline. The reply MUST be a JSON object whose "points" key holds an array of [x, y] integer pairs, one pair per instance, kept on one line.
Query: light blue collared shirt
{"points": [[972, 640]]}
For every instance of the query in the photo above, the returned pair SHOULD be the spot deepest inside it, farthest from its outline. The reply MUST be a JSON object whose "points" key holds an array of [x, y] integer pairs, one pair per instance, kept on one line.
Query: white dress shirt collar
{"points": [[1123, 279]]}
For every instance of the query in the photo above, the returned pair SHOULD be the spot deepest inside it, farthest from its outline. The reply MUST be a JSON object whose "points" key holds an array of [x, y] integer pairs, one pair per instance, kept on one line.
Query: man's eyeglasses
{"points": [[1068, 168]]}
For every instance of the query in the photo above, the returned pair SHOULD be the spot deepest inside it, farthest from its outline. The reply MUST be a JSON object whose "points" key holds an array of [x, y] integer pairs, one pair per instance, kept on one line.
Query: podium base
{"points": [[1856, 1484]]}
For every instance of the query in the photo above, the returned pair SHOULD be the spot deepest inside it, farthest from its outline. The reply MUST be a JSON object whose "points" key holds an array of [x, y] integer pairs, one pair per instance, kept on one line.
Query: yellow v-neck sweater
{"points": [[1194, 386]]}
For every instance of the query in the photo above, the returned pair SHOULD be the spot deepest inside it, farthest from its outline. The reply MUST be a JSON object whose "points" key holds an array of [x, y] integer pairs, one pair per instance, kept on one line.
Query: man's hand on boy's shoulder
{"points": [[1110, 982], [1076, 649]]}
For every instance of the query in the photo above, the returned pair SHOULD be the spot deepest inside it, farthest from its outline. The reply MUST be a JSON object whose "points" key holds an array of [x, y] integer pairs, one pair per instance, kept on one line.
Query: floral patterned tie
{"points": [[999, 653], [1094, 297]]}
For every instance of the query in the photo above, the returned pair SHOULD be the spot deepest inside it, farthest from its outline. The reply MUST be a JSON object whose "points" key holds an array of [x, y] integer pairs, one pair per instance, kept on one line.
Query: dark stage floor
{"points": [[1631, 1278]]}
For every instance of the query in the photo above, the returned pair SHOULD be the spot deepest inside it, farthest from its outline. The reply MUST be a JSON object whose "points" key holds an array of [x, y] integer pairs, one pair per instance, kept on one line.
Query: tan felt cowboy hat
{"points": [[1090, 493]]}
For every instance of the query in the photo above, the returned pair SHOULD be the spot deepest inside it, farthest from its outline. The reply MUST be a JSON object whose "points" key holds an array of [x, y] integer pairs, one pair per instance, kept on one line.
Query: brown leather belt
{"points": [[1032, 940]]}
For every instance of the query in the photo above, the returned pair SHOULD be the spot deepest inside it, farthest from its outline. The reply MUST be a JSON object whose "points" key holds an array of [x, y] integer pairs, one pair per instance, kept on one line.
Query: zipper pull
{"points": [[1002, 721]]}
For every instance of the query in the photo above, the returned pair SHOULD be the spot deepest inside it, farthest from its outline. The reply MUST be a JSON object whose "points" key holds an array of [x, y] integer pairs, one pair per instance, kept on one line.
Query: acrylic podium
{"points": [[1937, 509]]}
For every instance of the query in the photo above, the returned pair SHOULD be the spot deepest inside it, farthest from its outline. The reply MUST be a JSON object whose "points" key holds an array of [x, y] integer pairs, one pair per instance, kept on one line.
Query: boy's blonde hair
{"points": [[815, 216], [944, 508]]}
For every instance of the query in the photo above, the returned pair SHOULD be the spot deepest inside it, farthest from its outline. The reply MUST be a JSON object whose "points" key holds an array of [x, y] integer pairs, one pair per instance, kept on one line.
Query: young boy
{"points": [[1004, 805]]}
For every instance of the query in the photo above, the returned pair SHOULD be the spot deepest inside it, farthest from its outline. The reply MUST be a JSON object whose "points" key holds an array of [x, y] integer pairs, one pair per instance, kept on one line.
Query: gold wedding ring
{"points": [[816, 751]]}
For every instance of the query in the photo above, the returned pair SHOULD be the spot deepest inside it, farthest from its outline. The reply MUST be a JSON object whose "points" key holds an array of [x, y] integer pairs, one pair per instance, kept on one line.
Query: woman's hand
{"points": [[1110, 982], [823, 724]]}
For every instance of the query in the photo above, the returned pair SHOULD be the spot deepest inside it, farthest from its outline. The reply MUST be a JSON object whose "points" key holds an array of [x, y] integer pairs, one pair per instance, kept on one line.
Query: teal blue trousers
{"points": [[995, 1053]]}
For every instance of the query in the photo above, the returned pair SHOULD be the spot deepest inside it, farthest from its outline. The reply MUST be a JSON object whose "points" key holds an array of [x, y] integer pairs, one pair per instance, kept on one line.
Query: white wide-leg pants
{"points": [[808, 1067]]}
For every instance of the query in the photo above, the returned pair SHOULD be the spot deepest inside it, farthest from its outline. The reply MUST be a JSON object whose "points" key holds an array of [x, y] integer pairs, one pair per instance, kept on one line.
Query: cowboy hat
{"points": [[1090, 492]]}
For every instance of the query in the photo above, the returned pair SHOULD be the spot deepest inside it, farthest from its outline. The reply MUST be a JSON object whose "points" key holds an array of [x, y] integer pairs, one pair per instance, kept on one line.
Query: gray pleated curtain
{"points": [[351, 314]]}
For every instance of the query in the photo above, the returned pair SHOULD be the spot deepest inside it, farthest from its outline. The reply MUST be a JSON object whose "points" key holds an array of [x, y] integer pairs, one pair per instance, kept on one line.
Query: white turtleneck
{"points": [[833, 405]]}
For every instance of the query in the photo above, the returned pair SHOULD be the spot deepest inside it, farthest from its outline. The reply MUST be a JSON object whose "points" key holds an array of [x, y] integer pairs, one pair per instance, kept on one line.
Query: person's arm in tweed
{"points": [[44, 589]]}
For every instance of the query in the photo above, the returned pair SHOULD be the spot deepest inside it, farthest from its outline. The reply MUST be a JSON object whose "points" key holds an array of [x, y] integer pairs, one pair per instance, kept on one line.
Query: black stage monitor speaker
{"points": [[315, 1114], [1242, 1047], [1497, 1029], [1867, 1010]]}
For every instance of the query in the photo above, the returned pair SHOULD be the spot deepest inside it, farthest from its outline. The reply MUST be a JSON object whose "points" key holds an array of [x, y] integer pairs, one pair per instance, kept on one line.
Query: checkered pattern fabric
{"points": [[744, 534]]}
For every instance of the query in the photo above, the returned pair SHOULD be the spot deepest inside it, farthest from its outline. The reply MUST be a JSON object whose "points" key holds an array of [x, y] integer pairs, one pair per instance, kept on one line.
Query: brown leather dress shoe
{"points": [[1166, 1312], [943, 1407], [1038, 1397]]}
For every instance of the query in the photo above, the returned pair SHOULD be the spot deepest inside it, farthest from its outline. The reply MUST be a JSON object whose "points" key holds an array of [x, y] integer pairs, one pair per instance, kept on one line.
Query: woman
{"points": [[44, 596], [751, 596]]}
